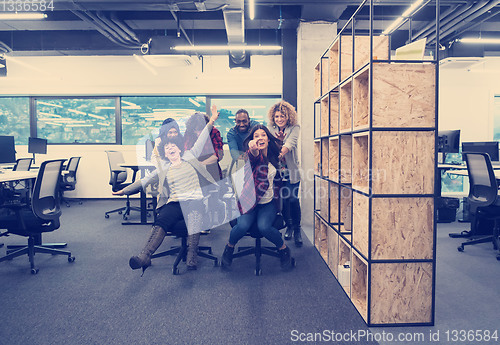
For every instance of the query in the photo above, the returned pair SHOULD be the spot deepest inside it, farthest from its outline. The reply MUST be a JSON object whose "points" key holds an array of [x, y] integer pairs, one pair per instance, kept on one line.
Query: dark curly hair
{"points": [[177, 141]]}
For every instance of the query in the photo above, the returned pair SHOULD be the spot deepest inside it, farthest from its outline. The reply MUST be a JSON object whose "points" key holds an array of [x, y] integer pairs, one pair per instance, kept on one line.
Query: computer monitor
{"points": [[37, 145], [150, 145], [449, 141], [7, 149], [489, 147]]}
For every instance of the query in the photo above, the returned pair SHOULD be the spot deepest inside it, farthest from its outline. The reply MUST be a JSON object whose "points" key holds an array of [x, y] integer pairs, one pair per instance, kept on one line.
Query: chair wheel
{"points": [[258, 272], [460, 249], [34, 270], [80, 203], [216, 263], [125, 217], [120, 212], [68, 205], [106, 216], [71, 259], [175, 271]]}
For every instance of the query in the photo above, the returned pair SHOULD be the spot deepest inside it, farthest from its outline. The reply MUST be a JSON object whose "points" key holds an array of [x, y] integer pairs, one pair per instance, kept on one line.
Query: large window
{"points": [[257, 109], [15, 119], [76, 120], [143, 116]]}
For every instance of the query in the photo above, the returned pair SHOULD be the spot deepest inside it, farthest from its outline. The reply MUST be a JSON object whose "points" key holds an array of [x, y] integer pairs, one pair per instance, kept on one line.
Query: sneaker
{"points": [[285, 258], [227, 256]]}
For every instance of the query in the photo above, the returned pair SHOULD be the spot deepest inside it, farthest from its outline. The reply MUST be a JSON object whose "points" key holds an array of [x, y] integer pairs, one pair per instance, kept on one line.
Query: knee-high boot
{"points": [[288, 220], [192, 253], [144, 258]]}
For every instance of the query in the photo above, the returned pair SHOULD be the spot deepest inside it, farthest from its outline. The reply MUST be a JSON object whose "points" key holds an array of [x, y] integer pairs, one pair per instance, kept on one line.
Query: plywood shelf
{"points": [[334, 112], [324, 74], [334, 63], [345, 158], [333, 251], [344, 259], [345, 210], [360, 168], [334, 205], [325, 163], [362, 49], [359, 284], [333, 159], [325, 116], [361, 99], [317, 81], [345, 123], [321, 238]]}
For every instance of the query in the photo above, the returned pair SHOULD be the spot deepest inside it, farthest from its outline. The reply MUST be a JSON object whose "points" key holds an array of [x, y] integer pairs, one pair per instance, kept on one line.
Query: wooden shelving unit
{"points": [[375, 167]]}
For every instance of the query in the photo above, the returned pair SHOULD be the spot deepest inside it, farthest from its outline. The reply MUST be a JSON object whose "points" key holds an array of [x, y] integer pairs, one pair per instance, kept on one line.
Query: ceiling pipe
{"points": [[117, 29], [180, 27], [480, 7], [450, 14], [124, 27], [459, 33], [235, 29], [110, 29]]}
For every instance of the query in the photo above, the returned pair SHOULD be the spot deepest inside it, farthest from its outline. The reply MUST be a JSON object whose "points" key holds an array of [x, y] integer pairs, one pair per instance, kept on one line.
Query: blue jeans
{"points": [[265, 214]]}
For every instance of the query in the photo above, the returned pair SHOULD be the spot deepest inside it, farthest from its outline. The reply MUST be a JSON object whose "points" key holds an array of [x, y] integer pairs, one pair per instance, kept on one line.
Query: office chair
{"points": [[23, 164], [258, 249], [42, 216], [68, 179], [118, 176], [483, 196]]}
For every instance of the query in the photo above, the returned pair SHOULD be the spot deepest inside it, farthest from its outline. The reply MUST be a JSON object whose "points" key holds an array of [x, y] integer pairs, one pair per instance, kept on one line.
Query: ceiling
{"points": [[113, 27]]}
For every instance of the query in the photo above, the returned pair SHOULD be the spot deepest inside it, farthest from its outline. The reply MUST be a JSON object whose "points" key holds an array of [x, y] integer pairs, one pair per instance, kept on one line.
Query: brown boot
{"points": [[144, 258], [192, 254]]}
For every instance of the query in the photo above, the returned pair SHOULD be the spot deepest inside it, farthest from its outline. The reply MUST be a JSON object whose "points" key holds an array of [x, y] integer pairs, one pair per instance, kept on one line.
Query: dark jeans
{"points": [[265, 215], [169, 215], [291, 203]]}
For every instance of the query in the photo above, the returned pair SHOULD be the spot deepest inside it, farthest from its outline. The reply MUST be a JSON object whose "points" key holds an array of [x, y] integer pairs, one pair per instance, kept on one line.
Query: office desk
{"points": [[9, 176], [466, 173], [143, 167]]}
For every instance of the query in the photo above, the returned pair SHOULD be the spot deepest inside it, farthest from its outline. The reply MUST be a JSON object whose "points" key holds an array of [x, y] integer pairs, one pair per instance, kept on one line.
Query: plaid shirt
{"points": [[256, 183]]}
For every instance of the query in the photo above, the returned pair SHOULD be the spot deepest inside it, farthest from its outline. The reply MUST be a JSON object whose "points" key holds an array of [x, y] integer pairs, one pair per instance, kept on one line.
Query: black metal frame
{"points": [[370, 128]]}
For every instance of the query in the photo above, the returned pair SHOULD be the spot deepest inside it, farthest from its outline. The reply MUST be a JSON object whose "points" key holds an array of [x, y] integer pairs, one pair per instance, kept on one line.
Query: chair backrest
{"points": [[45, 200], [23, 164], [483, 184], [118, 174], [73, 165]]}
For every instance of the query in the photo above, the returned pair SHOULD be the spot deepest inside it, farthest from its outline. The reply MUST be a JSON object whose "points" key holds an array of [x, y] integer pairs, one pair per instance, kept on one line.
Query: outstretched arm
{"points": [[197, 148]]}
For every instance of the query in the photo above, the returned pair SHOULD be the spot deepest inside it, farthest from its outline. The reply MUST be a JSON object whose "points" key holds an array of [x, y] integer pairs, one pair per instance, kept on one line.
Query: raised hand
{"points": [[215, 114]]}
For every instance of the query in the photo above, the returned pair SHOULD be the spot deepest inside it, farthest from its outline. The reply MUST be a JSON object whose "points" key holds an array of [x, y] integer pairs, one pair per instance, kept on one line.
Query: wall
{"points": [[466, 99], [313, 40], [126, 75]]}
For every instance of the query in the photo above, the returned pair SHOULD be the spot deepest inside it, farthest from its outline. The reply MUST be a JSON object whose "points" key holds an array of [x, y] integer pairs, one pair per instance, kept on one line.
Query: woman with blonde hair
{"points": [[282, 123]]}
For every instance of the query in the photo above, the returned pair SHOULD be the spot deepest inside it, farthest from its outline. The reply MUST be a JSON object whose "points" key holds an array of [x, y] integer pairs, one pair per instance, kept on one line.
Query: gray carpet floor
{"points": [[98, 299]]}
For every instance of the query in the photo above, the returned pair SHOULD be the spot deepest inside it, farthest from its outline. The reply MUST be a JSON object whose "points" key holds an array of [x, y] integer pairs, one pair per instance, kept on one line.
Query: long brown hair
{"points": [[274, 146]]}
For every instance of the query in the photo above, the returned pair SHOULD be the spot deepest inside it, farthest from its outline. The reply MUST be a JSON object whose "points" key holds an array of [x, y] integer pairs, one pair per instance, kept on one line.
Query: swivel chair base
{"points": [[258, 250], [31, 249], [123, 210], [181, 252]]}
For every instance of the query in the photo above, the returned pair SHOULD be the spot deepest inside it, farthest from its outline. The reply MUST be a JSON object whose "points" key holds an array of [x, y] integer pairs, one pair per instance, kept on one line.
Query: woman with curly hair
{"points": [[282, 123]]}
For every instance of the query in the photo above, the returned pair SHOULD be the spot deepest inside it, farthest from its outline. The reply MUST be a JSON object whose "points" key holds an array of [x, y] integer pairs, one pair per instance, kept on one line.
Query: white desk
{"points": [[9, 175], [466, 173]]}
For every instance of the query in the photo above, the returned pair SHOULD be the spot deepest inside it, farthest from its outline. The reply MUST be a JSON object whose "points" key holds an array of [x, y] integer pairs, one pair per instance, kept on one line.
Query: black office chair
{"points": [[117, 180], [258, 250], [68, 179], [181, 251], [42, 216], [483, 196]]}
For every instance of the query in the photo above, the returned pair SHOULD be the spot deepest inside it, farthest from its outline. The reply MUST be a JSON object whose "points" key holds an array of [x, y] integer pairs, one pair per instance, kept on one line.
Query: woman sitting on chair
{"points": [[180, 195], [260, 197]]}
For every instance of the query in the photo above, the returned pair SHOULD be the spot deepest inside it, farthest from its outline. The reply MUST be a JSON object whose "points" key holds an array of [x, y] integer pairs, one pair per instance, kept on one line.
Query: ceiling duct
{"points": [[234, 21]]}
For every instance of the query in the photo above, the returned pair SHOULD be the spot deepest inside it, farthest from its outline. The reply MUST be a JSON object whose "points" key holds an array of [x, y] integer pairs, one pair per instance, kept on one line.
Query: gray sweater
{"points": [[292, 157]]}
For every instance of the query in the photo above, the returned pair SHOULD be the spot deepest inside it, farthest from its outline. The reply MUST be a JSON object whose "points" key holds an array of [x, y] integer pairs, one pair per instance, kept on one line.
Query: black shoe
{"points": [[288, 233], [285, 258], [297, 237], [227, 256]]}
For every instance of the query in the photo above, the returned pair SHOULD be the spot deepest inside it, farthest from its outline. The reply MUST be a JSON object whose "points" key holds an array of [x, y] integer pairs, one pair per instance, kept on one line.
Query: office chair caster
{"points": [[175, 271], [34, 270], [258, 272], [106, 216], [461, 248], [120, 212], [71, 259]]}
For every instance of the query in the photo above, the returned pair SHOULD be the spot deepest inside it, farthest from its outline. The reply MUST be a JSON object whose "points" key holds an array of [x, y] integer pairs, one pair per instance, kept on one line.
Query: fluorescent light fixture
{"points": [[481, 40], [251, 9], [393, 25], [24, 64], [96, 116], [103, 124], [22, 15], [102, 108], [194, 102], [244, 107], [145, 64], [227, 47], [412, 8], [79, 125], [50, 104], [53, 123]]}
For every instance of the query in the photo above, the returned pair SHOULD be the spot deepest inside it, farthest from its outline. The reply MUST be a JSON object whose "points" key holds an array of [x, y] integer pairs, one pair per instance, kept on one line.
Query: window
{"points": [[76, 120], [15, 119], [142, 116], [257, 109]]}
